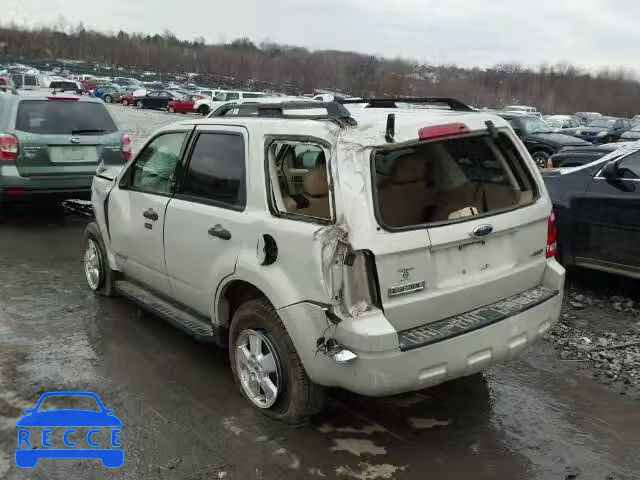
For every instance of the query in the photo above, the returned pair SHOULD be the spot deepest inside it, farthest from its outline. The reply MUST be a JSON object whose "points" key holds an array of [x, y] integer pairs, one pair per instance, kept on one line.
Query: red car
{"points": [[184, 104], [127, 99]]}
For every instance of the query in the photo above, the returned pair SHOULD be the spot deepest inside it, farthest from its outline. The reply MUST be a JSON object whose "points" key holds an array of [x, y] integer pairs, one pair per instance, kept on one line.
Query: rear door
{"points": [[65, 137], [607, 218], [206, 219], [464, 226], [137, 208]]}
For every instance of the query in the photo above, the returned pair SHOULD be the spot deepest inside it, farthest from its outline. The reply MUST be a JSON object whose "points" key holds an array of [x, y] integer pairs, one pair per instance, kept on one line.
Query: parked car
{"points": [[29, 81], [539, 138], [127, 82], [207, 92], [521, 109], [129, 98], [442, 268], [632, 135], [567, 124], [109, 94], [597, 210], [581, 155], [51, 145], [184, 104], [207, 105], [604, 129], [586, 117], [157, 99], [67, 86]]}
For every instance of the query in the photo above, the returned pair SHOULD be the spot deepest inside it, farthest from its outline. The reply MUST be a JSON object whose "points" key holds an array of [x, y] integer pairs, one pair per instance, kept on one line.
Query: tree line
{"points": [[294, 70]]}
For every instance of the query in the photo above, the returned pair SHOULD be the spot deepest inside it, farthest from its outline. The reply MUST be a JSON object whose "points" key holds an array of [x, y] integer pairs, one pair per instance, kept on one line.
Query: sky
{"points": [[591, 34]]}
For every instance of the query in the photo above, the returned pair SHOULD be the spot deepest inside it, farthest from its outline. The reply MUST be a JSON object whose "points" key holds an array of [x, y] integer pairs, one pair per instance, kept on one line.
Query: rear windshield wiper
{"points": [[86, 130]]}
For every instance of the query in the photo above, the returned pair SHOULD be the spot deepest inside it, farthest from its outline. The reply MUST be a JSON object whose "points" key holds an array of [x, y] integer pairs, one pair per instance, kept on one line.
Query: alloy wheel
{"points": [[93, 265], [258, 368]]}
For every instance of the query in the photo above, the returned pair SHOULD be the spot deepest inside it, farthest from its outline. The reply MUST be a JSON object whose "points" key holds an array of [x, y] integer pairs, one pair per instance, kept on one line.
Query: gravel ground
{"points": [[599, 330]]}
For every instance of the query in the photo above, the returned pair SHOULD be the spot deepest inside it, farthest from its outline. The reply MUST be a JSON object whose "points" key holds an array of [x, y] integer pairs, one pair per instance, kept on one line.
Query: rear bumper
{"points": [[383, 368], [23, 195], [14, 188]]}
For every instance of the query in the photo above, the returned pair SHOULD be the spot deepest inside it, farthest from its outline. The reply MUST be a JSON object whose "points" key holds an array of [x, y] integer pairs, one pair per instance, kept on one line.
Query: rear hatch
{"points": [[463, 224], [65, 137]]}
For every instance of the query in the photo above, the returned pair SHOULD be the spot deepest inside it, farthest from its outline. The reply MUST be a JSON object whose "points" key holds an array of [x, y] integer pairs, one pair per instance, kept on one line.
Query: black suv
{"points": [[604, 129], [539, 137]]}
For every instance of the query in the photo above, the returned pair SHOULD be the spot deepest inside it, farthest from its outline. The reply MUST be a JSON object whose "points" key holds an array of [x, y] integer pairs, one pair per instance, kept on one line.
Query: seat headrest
{"points": [[316, 183], [410, 169]]}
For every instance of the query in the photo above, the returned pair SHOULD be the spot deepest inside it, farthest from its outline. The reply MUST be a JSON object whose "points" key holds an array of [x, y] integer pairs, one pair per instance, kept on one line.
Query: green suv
{"points": [[50, 145]]}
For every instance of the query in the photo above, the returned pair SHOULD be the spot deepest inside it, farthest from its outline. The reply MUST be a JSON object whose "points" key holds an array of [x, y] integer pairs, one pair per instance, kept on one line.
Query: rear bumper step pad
{"points": [[467, 322]]}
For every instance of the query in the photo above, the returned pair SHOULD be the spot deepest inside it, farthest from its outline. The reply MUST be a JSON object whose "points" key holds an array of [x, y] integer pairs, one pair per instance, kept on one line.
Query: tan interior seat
{"points": [[406, 198], [316, 192]]}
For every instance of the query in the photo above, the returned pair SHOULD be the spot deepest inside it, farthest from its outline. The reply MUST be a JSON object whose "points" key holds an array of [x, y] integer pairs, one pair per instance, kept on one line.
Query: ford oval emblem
{"points": [[75, 140], [482, 231]]}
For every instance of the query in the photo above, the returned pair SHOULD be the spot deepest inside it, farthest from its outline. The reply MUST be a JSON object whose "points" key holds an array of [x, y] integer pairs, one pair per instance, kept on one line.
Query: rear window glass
{"points": [[64, 117], [448, 180]]}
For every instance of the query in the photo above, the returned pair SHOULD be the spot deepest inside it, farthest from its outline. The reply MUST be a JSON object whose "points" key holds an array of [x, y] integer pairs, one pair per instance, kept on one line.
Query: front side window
{"points": [[233, 96], [300, 179], [216, 170], [449, 180], [155, 168]]}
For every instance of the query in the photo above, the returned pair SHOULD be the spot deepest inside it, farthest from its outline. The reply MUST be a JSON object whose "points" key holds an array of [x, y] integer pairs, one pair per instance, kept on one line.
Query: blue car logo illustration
{"points": [[38, 430]]}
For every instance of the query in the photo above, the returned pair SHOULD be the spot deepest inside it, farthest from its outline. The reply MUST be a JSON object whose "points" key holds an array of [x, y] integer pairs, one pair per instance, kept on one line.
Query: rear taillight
{"points": [[552, 237], [8, 148], [126, 147]]}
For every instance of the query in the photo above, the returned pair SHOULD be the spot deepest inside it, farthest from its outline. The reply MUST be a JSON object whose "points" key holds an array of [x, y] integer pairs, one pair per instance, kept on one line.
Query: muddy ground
{"points": [[564, 410]]}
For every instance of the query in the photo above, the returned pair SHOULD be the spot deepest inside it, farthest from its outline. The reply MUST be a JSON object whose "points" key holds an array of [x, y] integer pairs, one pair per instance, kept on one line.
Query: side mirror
{"points": [[610, 171]]}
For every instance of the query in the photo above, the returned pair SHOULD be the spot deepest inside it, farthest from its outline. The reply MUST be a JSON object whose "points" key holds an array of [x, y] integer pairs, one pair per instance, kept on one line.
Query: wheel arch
{"points": [[230, 296]]}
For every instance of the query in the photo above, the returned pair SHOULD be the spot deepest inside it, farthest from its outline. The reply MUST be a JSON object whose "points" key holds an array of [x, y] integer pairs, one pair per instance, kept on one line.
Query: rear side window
{"points": [[64, 117], [216, 171], [253, 95], [448, 180]]}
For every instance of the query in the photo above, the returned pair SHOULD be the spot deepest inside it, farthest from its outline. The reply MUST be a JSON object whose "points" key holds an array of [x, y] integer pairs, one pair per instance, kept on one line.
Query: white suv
{"points": [[381, 250], [207, 105]]}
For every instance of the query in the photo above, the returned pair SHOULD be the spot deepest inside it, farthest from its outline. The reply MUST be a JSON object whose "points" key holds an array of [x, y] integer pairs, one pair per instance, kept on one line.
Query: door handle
{"points": [[150, 214], [220, 232]]}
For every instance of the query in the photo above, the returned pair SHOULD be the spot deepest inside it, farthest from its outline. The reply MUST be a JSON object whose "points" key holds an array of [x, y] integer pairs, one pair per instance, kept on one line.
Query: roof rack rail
{"points": [[392, 102], [336, 112]]}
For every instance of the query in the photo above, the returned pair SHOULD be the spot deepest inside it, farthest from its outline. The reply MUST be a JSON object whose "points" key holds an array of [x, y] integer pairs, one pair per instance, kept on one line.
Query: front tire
{"points": [[266, 366], [125, 102], [139, 104], [108, 99], [541, 158], [204, 110], [172, 110], [100, 278]]}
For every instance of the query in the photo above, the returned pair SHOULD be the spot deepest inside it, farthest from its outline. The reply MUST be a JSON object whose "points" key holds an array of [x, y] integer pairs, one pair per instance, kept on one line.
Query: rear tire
{"points": [[541, 158], [297, 397], [204, 110], [95, 257], [172, 110], [108, 99], [125, 102], [139, 104]]}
